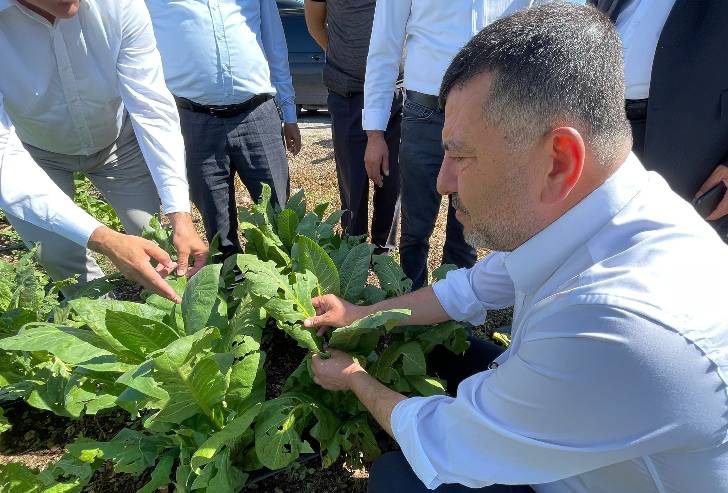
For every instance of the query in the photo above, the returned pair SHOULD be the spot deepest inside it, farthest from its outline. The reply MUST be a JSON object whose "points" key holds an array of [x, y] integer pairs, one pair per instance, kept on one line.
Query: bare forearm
{"points": [[378, 399], [424, 305], [315, 13]]}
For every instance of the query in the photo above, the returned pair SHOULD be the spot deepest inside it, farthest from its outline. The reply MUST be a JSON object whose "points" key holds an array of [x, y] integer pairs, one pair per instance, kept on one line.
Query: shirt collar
{"points": [[531, 264]]}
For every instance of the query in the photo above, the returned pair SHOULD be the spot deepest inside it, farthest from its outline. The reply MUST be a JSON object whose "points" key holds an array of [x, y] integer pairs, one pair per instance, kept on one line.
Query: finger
{"points": [[152, 281], [322, 331], [155, 252], [200, 260], [316, 321], [385, 164], [720, 210], [183, 259]]}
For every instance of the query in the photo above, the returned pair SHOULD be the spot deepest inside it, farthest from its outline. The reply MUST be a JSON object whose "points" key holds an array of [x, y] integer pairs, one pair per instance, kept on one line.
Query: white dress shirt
{"points": [[430, 32], [616, 377], [640, 25], [65, 87], [221, 52], [27, 192]]}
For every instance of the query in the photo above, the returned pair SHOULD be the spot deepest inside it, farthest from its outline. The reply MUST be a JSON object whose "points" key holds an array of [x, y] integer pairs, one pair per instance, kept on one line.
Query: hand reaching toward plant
{"points": [[188, 243], [332, 311]]}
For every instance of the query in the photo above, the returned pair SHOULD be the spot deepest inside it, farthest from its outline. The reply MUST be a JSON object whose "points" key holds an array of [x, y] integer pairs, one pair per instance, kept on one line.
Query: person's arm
{"points": [[315, 11], [465, 294], [386, 46], [156, 124], [276, 52], [552, 410], [720, 173], [45, 205]]}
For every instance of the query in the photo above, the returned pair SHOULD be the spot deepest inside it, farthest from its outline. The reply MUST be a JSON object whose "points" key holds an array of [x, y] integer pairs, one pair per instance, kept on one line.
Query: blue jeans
{"points": [[420, 158]]}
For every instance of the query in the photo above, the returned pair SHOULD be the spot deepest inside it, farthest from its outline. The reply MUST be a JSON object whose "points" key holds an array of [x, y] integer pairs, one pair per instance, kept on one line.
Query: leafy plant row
{"points": [[193, 373]]}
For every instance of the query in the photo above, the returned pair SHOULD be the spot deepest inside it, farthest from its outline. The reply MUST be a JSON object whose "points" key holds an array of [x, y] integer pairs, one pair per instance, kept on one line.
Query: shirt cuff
{"points": [[76, 225], [289, 113], [175, 198], [373, 119], [457, 298], [404, 420]]}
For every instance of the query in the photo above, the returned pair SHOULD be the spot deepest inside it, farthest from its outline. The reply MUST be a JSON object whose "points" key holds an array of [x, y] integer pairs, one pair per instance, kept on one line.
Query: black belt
{"points": [[636, 109], [223, 111], [426, 100]]}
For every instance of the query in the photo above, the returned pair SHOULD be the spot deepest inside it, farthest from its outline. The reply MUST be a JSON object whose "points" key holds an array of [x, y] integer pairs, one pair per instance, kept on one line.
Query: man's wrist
{"points": [[177, 219], [355, 374], [375, 135], [100, 239]]}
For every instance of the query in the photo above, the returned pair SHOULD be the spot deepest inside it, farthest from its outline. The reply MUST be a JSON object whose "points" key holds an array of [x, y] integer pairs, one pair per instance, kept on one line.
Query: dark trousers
{"points": [[391, 472], [350, 142], [249, 144], [420, 158]]}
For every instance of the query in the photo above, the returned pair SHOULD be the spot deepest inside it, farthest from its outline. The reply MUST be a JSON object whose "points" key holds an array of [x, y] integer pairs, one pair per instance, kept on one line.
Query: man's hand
{"points": [[720, 173], [335, 372], [376, 157], [188, 243], [292, 137], [132, 255], [332, 311]]}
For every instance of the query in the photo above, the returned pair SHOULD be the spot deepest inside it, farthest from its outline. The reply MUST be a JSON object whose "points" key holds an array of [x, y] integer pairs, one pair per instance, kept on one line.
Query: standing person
{"points": [[617, 374], [429, 32], [677, 91], [225, 61], [81, 84], [343, 29]]}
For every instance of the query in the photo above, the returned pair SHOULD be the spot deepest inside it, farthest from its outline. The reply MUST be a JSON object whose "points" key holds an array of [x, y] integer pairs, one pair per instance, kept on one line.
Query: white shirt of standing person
{"points": [[430, 32], [640, 25], [66, 90]]}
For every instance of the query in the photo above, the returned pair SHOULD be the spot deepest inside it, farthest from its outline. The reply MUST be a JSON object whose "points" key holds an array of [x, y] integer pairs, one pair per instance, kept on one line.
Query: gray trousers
{"points": [[120, 173], [249, 144]]}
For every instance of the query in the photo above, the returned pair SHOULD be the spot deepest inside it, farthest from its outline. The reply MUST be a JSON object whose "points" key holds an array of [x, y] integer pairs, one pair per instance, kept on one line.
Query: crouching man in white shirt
{"points": [[82, 85], [615, 380]]}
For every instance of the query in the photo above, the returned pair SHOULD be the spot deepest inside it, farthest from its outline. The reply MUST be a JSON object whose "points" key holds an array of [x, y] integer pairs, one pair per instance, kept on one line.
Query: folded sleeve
{"points": [[383, 61], [467, 294], [552, 410], [151, 107], [27, 192]]}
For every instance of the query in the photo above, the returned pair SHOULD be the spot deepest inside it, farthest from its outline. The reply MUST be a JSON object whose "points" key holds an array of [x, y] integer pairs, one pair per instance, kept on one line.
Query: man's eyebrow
{"points": [[454, 146]]}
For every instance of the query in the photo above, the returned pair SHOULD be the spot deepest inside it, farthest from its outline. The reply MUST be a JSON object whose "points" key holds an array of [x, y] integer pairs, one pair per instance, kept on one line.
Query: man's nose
{"points": [[447, 181]]}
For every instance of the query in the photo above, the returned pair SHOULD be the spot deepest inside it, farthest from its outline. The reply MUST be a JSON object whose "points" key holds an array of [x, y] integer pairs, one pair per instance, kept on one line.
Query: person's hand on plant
{"points": [[292, 137], [720, 173], [376, 157], [332, 311], [335, 372], [132, 256], [188, 243]]}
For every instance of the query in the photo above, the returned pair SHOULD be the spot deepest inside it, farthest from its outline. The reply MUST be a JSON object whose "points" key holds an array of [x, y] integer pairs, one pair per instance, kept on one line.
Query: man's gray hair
{"points": [[559, 64]]}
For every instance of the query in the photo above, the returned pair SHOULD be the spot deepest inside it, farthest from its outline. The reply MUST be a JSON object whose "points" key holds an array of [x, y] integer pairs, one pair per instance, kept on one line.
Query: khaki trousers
{"points": [[120, 173]]}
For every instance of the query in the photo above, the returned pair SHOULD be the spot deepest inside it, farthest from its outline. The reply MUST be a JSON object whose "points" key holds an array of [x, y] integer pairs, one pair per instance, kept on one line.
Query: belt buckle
{"points": [[217, 112]]}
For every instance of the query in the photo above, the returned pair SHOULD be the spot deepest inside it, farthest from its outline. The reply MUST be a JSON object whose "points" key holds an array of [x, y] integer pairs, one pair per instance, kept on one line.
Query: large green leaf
{"points": [[308, 255], [227, 436], [362, 336], [131, 451], [160, 474], [247, 381], [141, 336], [427, 386], [200, 298], [354, 272], [297, 203], [192, 388], [16, 478], [263, 245], [287, 223], [391, 276], [358, 441], [70, 345], [278, 429]]}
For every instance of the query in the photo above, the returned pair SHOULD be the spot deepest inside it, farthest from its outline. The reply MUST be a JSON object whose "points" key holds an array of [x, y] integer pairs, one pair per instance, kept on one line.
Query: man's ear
{"points": [[564, 165]]}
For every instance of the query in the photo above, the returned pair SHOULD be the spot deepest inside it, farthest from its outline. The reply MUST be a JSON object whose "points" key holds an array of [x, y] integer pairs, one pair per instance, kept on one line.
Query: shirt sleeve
{"points": [[151, 107], [386, 46], [276, 51], [586, 388], [466, 294], [28, 193]]}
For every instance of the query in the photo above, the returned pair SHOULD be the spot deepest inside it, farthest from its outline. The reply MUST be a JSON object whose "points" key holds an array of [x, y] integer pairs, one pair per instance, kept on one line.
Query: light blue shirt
{"points": [[615, 381], [221, 52]]}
